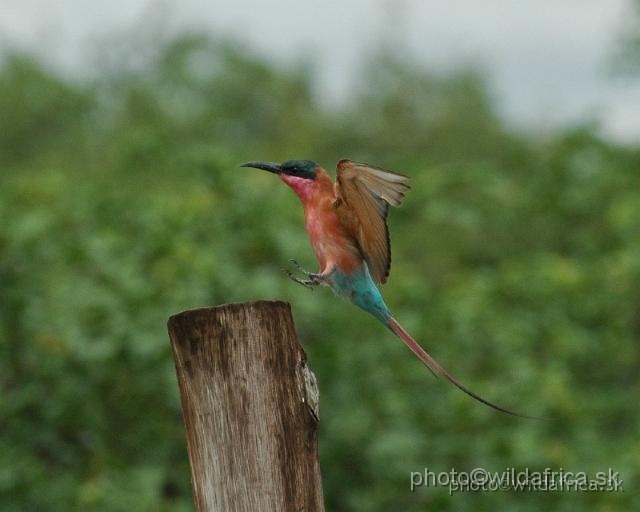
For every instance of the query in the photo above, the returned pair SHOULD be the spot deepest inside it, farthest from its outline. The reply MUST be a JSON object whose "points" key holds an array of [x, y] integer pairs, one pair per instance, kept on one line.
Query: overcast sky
{"points": [[547, 59]]}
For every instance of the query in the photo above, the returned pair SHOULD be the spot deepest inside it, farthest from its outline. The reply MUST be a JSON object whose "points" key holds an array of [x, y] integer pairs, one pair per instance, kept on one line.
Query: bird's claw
{"points": [[313, 279], [306, 283], [302, 269]]}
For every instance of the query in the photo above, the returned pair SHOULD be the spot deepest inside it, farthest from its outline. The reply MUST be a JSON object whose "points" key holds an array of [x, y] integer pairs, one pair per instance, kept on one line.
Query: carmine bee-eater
{"points": [[347, 225]]}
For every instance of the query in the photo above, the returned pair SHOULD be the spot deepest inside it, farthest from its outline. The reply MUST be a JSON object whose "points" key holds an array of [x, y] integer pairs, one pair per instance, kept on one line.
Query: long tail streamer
{"points": [[434, 366]]}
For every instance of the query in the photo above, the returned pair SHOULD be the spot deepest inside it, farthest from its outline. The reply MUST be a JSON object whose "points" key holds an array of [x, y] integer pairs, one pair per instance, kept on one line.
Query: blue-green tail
{"points": [[362, 291]]}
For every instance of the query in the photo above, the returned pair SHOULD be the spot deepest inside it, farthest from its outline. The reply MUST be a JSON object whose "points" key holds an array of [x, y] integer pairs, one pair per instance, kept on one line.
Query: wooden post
{"points": [[250, 408]]}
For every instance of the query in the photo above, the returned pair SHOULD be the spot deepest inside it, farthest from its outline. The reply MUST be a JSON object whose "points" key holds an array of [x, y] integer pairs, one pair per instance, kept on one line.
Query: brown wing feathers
{"points": [[366, 193]]}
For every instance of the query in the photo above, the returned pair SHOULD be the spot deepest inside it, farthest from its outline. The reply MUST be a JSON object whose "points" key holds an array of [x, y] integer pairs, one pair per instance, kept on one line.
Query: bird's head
{"points": [[298, 174], [305, 169]]}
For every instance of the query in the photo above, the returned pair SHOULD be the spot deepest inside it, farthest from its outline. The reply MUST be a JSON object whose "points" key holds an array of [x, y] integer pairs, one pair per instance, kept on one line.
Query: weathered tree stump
{"points": [[250, 408]]}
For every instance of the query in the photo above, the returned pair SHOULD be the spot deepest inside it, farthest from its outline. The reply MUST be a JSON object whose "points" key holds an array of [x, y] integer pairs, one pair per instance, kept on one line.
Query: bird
{"points": [[346, 222]]}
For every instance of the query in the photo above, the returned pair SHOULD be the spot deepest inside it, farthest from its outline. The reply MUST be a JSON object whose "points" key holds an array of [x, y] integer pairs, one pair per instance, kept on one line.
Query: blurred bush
{"points": [[516, 262]]}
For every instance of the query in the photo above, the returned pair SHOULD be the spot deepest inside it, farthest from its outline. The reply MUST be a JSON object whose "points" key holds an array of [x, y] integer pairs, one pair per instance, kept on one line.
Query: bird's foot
{"points": [[311, 281], [302, 269], [307, 283]]}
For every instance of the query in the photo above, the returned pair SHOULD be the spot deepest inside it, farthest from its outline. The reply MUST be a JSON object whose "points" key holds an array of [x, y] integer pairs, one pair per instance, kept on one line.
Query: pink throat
{"points": [[300, 186]]}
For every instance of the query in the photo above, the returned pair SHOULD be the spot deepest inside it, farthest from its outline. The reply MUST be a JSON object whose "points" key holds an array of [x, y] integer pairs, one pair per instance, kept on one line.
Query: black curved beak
{"points": [[265, 166]]}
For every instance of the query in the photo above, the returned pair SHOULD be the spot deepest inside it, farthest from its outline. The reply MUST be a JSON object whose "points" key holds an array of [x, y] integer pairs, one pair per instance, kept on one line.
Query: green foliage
{"points": [[626, 57], [516, 262]]}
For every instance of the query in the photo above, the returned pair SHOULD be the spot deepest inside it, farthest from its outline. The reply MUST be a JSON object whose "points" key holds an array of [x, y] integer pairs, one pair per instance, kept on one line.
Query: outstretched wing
{"points": [[364, 193]]}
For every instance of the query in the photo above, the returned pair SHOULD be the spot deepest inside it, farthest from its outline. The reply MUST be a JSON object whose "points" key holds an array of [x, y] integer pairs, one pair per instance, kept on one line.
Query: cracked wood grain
{"points": [[250, 408]]}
